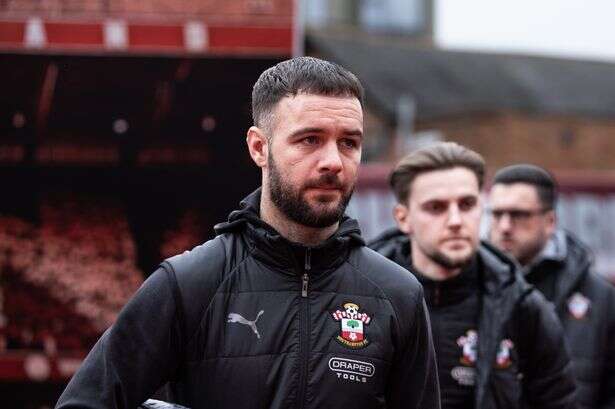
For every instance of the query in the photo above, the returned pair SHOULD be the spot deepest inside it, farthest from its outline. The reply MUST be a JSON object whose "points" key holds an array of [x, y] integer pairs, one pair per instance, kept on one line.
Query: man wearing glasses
{"points": [[522, 201]]}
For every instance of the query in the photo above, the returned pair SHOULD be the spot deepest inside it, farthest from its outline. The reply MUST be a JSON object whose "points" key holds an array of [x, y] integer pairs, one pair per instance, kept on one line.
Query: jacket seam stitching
{"points": [[384, 296], [228, 276]]}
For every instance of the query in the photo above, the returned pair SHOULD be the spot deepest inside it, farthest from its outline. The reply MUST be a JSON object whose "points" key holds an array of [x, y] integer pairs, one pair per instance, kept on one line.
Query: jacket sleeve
{"points": [[607, 384], [414, 379], [548, 382], [134, 357]]}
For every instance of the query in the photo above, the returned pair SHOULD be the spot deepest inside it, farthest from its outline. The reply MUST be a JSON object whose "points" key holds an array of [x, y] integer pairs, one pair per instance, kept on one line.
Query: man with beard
{"points": [[522, 201], [498, 343], [286, 307]]}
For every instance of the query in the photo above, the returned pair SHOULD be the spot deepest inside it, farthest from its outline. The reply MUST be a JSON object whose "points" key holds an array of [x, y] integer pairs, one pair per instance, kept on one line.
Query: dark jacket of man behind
{"points": [[585, 304], [523, 202], [514, 358]]}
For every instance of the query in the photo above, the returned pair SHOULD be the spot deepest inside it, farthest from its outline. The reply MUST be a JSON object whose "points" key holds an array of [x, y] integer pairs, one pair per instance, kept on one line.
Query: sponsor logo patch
{"points": [[464, 375], [351, 370], [239, 319], [352, 326]]}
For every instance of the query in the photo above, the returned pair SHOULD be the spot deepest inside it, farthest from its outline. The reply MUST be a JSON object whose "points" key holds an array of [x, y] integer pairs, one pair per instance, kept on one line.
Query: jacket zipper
{"points": [[436, 295], [304, 337]]}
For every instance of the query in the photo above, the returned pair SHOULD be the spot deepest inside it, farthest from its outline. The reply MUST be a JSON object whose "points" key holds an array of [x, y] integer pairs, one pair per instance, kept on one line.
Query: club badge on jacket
{"points": [[352, 326], [578, 306]]}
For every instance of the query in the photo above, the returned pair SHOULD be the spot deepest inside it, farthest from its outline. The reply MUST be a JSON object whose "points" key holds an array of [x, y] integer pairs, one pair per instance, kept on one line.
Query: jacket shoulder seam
{"points": [[219, 284], [383, 293]]}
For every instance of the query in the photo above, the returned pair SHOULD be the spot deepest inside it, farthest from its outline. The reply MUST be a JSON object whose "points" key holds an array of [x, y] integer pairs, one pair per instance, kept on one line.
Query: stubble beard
{"points": [[526, 254], [450, 263], [290, 201], [522, 251], [446, 261]]}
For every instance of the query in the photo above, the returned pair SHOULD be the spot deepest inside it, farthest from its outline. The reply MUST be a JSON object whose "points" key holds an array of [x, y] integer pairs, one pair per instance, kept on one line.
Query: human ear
{"points": [[402, 217], [550, 222], [258, 146]]}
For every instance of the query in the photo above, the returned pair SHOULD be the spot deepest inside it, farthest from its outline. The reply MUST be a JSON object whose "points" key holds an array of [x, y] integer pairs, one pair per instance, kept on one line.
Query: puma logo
{"points": [[233, 317]]}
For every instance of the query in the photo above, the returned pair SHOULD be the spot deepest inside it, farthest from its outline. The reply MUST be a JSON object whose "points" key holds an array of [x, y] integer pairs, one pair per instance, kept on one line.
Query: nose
{"points": [[330, 160], [454, 216], [503, 223]]}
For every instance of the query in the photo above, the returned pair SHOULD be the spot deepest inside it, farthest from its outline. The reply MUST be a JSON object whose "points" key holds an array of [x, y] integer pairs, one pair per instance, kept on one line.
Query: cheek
{"points": [[473, 218], [537, 233], [351, 166], [428, 228]]}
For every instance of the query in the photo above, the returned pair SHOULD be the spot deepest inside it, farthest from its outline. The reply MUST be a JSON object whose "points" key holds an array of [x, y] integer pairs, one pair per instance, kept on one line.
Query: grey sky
{"points": [[567, 28]]}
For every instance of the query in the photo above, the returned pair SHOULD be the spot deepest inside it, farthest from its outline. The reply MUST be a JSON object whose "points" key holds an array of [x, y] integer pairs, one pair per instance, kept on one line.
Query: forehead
{"points": [[444, 184], [319, 109], [517, 195]]}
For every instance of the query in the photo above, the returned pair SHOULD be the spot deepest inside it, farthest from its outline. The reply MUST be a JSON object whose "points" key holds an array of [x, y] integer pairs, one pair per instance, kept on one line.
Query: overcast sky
{"points": [[569, 28]]}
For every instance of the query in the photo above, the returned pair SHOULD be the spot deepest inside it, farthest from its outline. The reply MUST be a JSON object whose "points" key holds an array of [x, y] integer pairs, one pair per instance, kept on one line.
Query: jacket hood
{"points": [[394, 245], [572, 269], [500, 272], [268, 244]]}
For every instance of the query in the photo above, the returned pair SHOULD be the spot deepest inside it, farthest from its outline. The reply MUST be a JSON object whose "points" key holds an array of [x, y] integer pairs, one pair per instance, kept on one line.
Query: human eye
{"points": [[435, 207], [497, 214], [520, 215], [350, 143], [467, 204], [309, 140]]}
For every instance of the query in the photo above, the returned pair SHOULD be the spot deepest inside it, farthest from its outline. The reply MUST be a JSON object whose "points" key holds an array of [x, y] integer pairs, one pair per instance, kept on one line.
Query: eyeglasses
{"points": [[517, 215]]}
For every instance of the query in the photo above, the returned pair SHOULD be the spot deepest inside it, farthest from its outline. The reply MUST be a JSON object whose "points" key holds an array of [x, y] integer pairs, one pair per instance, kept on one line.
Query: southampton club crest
{"points": [[352, 323], [468, 344], [578, 306], [469, 350]]}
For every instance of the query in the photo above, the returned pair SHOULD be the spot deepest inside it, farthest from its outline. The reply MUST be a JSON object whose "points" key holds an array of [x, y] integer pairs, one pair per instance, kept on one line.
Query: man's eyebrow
{"points": [[317, 130], [354, 132], [303, 131]]}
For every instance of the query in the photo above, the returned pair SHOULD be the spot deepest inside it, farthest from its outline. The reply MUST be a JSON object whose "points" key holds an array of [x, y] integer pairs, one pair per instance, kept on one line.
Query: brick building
{"points": [[554, 112]]}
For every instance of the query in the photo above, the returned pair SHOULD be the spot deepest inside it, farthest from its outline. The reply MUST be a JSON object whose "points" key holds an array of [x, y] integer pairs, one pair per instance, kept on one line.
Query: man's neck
{"points": [[430, 269], [293, 231]]}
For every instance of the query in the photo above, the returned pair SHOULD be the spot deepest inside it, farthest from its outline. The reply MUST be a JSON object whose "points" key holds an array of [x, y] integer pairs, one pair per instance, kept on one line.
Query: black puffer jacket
{"points": [[250, 320], [585, 304], [537, 372]]}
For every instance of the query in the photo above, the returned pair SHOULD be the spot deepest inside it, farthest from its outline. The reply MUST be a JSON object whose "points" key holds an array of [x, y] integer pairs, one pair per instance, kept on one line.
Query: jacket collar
{"points": [[271, 247], [572, 266], [554, 251]]}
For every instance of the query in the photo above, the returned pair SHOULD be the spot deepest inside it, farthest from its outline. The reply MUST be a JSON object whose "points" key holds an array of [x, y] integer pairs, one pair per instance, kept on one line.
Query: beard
{"points": [[290, 200], [525, 252], [450, 263], [446, 261]]}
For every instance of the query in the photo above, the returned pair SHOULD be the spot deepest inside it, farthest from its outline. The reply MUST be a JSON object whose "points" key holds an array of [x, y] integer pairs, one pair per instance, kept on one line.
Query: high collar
{"points": [[554, 251], [571, 267], [268, 245], [440, 293]]}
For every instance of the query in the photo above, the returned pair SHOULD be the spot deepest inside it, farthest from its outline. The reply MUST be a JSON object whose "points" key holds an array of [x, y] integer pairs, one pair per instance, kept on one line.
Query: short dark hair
{"points": [[540, 178], [445, 155], [301, 75]]}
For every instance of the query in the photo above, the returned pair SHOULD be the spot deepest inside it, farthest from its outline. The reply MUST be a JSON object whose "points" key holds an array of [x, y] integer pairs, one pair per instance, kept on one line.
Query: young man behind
{"points": [[499, 345], [522, 202]]}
